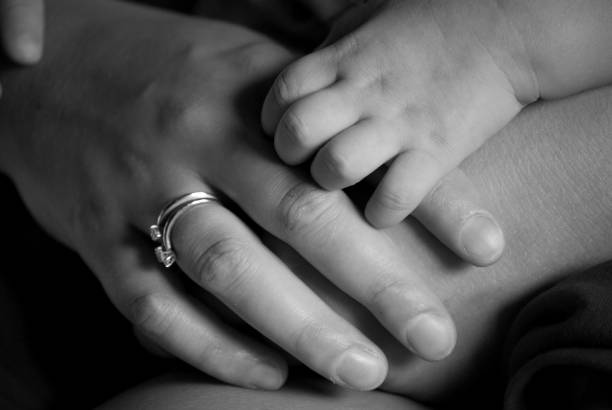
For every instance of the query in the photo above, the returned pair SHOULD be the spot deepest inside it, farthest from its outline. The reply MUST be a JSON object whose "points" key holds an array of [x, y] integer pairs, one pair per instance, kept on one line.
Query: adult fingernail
{"points": [[482, 239], [266, 377], [29, 50], [430, 336], [359, 369]]}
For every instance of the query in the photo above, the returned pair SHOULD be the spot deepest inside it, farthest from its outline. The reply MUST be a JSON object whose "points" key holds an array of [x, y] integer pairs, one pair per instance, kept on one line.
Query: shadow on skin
{"points": [[195, 391]]}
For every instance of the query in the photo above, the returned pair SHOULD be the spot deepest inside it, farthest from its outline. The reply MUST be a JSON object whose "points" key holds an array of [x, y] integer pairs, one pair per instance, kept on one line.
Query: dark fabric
{"points": [[560, 347], [299, 24], [183, 6], [62, 344]]}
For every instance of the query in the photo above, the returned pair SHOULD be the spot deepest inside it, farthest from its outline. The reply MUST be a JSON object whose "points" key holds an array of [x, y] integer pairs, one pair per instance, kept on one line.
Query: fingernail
{"points": [[430, 336], [29, 50], [482, 239], [359, 369], [266, 377]]}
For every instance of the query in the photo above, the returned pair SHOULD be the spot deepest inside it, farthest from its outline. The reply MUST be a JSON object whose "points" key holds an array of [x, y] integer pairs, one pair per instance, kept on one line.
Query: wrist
{"points": [[566, 43], [485, 29], [511, 53]]}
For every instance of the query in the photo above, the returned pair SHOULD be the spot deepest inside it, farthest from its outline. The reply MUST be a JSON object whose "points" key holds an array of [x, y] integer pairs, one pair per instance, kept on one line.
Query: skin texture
{"points": [[555, 201], [154, 105], [420, 85], [27, 168], [545, 176]]}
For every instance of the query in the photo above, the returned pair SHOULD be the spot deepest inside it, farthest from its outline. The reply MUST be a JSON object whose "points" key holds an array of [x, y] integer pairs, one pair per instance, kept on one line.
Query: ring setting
{"points": [[161, 231]]}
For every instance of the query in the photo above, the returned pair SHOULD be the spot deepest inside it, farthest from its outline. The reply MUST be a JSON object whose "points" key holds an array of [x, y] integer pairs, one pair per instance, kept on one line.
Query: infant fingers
{"points": [[286, 89], [353, 154], [22, 29], [409, 178], [311, 121], [448, 206]]}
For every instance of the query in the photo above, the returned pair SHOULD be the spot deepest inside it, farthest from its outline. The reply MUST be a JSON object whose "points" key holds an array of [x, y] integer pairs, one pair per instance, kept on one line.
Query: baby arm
{"points": [[567, 43]]}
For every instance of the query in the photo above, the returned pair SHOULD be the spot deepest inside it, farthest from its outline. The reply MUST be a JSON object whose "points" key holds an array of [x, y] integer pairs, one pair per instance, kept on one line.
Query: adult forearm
{"points": [[546, 176]]}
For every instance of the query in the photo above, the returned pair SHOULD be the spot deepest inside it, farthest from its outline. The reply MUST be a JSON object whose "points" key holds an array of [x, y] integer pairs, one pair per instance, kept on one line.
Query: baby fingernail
{"points": [[482, 239], [430, 336], [360, 370], [266, 377]]}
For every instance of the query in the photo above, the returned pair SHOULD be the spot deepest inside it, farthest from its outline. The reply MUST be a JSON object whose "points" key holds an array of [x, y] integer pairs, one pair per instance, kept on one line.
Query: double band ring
{"points": [[161, 231]]}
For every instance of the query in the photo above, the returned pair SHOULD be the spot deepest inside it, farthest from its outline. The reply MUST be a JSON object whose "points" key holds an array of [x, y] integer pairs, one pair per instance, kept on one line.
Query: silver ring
{"points": [[161, 231]]}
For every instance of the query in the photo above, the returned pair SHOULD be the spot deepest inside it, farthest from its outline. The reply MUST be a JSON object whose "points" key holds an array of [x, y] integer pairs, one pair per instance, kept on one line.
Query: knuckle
{"points": [[259, 54], [305, 340], [347, 46], [176, 115], [295, 130], [335, 162], [223, 266], [396, 201], [153, 313], [93, 217], [379, 292], [286, 87], [305, 209], [394, 292], [209, 355], [172, 106]]}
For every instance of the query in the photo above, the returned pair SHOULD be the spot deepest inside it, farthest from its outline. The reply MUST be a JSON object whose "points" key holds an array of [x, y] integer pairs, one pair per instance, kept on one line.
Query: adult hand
{"points": [[22, 29], [153, 108]]}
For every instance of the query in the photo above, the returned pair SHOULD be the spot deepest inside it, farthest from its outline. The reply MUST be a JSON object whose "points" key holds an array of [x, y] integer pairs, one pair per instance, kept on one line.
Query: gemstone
{"points": [[155, 233], [166, 258]]}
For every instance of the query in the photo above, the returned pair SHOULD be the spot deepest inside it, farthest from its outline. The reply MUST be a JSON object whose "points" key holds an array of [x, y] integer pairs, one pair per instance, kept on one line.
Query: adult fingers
{"points": [[326, 229], [452, 211], [149, 344], [222, 255], [22, 29], [157, 307]]}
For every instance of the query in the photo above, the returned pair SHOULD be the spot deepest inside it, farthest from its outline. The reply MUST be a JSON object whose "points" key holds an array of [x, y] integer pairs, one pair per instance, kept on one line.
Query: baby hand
{"points": [[417, 85]]}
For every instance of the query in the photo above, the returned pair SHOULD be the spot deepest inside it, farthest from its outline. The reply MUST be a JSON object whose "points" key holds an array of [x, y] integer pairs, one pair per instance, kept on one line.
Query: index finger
{"points": [[328, 231], [21, 28]]}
